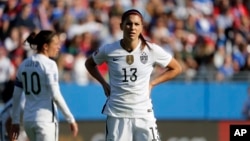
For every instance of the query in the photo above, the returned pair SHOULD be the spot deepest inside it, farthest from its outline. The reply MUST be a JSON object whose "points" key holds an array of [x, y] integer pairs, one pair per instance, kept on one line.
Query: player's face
{"points": [[132, 27], [54, 47]]}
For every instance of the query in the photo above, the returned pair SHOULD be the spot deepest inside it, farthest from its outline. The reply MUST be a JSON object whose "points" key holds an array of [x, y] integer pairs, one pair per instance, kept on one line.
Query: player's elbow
{"points": [[175, 67], [178, 69], [89, 63]]}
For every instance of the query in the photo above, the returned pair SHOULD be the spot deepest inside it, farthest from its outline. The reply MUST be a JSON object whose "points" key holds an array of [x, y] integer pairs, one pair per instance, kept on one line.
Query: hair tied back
{"points": [[31, 39]]}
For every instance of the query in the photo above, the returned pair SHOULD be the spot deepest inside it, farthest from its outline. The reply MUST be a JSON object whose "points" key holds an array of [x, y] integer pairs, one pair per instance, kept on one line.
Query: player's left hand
{"points": [[74, 128], [15, 129]]}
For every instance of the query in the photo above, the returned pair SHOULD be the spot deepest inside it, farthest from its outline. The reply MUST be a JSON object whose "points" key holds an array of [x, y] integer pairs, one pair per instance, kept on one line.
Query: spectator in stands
{"points": [[219, 20], [13, 40], [226, 71], [43, 11], [7, 71], [11, 10], [57, 14], [25, 18], [115, 32], [80, 74]]}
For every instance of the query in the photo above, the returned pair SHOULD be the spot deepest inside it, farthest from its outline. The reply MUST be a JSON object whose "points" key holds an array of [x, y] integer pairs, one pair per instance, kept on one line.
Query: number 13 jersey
{"points": [[129, 77]]}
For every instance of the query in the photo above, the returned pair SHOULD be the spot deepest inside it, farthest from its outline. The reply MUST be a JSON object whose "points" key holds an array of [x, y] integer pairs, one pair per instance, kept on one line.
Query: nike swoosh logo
{"points": [[115, 59]]}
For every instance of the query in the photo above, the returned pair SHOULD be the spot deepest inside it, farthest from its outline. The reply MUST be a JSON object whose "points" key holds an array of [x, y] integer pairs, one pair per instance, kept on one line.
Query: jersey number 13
{"points": [[132, 77]]}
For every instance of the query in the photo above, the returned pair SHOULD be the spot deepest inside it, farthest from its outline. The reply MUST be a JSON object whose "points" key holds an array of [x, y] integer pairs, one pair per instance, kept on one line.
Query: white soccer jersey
{"points": [[129, 77], [38, 76]]}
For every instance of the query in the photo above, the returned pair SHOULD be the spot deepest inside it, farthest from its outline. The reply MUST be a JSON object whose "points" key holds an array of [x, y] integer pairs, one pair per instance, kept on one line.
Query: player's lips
{"points": [[132, 33]]}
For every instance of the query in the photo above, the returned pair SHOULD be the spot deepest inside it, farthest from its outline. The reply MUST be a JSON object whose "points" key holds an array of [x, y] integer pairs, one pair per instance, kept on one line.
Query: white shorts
{"points": [[41, 131], [131, 129]]}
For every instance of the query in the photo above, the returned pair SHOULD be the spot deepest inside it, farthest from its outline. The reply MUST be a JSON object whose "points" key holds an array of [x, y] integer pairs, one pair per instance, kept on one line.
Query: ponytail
{"points": [[144, 42], [31, 39], [37, 41]]}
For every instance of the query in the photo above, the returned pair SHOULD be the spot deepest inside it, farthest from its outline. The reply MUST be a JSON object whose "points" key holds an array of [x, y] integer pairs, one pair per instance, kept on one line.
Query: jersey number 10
{"points": [[30, 81]]}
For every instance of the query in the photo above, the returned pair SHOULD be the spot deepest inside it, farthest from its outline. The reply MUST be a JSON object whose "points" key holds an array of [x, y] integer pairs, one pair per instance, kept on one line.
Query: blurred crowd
{"points": [[210, 38]]}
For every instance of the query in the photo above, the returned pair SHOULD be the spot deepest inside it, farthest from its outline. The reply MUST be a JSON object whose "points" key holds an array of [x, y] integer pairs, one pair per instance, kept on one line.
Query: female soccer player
{"points": [[37, 76], [131, 60]]}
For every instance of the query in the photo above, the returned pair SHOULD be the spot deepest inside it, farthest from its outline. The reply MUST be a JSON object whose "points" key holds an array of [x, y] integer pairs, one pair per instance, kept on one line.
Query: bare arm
{"points": [[173, 69], [92, 69]]}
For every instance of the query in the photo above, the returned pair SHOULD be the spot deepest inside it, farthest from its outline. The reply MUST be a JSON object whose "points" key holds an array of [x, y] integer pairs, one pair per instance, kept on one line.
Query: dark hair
{"points": [[130, 12], [136, 12], [43, 37]]}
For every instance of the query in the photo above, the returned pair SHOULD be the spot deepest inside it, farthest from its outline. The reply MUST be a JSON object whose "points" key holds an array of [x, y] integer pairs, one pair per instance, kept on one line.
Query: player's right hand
{"points": [[74, 128], [15, 128]]}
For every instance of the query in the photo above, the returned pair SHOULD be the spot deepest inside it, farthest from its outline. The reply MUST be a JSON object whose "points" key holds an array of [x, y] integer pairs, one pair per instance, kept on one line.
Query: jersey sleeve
{"points": [[99, 55], [60, 102], [52, 74], [53, 84], [162, 57]]}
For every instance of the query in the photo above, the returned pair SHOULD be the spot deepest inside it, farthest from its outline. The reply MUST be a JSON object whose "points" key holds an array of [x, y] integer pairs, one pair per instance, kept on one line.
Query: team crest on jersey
{"points": [[144, 58], [130, 59]]}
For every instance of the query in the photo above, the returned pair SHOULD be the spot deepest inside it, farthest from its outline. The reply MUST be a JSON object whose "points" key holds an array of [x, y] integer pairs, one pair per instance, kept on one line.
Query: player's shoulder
{"points": [[157, 49], [110, 47], [44, 59], [44, 62], [25, 62], [153, 45], [50, 64]]}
